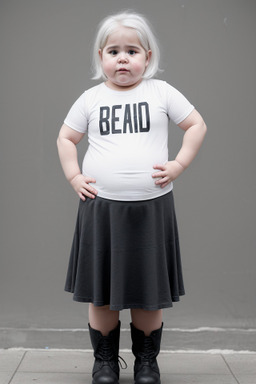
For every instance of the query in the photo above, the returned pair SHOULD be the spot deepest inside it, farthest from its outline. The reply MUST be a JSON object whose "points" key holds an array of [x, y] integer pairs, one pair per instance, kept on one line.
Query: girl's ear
{"points": [[148, 57], [100, 53]]}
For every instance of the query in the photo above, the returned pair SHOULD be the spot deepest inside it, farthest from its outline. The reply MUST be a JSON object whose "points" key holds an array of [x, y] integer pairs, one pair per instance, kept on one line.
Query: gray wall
{"points": [[208, 52]]}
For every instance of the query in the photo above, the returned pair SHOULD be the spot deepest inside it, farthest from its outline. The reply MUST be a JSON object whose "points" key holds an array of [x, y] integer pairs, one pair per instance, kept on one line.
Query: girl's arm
{"points": [[67, 140], [195, 130]]}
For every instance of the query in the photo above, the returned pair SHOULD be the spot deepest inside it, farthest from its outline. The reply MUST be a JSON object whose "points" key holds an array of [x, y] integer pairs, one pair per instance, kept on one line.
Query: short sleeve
{"points": [[178, 106], [77, 117]]}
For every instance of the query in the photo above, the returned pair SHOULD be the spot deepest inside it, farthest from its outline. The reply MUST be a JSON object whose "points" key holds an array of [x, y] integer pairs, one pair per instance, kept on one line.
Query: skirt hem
{"points": [[119, 307]]}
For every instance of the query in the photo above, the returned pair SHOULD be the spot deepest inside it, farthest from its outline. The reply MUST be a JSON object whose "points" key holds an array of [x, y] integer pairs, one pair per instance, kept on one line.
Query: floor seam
{"points": [[128, 350], [230, 370], [21, 360]]}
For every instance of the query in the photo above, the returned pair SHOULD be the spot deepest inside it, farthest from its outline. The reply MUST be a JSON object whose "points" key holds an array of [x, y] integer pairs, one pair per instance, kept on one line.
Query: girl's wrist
{"points": [[181, 165], [71, 179]]}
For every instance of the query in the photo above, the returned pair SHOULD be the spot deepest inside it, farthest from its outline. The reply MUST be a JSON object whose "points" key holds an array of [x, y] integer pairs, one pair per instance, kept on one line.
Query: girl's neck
{"points": [[115, 87]]}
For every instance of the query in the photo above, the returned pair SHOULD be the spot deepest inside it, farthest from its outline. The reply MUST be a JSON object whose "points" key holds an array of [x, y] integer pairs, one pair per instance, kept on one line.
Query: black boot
{"points": [[146, 349], [106, 368]]}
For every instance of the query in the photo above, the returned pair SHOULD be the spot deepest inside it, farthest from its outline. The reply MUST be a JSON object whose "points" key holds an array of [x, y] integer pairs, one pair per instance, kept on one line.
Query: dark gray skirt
{"points": [[126, 254]]}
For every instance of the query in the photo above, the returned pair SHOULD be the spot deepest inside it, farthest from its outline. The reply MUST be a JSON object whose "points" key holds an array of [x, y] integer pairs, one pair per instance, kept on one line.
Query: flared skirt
{"points": [[126, 254]]}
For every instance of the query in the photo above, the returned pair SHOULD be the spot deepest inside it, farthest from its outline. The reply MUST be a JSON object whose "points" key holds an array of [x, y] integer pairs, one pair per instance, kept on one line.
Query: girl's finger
{"points": [[159, 174], [81, 196], [165, 183], [88, 194], [89, 188], [159, 166], [162, 181], [89, 180]]}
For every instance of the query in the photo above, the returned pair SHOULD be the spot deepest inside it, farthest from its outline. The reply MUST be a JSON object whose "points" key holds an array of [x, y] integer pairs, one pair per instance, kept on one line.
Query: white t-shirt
{"points": [[127, 134]]}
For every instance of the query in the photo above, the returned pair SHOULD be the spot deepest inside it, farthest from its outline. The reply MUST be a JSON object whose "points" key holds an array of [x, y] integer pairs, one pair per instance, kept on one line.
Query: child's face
{"points": [[123, 59]]}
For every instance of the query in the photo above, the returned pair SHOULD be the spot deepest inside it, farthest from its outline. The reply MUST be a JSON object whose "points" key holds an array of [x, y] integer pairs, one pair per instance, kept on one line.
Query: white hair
{"points": [[145, 35]]}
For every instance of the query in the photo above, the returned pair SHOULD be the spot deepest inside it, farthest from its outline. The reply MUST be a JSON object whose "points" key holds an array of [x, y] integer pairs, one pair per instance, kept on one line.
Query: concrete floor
{"points": [[25, 366], [200, 355]]}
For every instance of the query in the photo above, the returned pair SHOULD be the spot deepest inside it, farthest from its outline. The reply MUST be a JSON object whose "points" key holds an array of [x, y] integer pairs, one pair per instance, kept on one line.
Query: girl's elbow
{"points": [[58, 141], [205, 128]]}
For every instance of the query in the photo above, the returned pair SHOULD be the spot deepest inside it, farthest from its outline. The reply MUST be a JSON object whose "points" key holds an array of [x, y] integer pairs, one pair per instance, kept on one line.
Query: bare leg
{"points": [[103, 319], [147, 321]]}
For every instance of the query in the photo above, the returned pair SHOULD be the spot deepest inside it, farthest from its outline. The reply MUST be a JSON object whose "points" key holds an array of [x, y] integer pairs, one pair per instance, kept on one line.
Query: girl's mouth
{"points": [[123, 70]]}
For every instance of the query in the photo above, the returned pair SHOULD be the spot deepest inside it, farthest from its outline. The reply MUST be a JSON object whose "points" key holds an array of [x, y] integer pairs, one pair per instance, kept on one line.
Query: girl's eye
{"points": [[132, 52], [113, 52]]}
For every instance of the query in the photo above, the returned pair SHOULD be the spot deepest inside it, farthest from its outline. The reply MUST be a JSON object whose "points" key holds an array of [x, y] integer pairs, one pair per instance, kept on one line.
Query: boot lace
{"points": [[148, 352], [120, 361], [106, 352]]}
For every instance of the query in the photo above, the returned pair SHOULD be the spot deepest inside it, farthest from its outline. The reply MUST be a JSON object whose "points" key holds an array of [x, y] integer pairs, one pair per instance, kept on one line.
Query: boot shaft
{"points": [[143, 346], [105, 347]]}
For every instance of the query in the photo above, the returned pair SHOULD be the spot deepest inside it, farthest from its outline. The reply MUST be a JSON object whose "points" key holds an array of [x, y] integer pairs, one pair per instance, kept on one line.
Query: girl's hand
{"points": [[168, 172], [81, 185]]}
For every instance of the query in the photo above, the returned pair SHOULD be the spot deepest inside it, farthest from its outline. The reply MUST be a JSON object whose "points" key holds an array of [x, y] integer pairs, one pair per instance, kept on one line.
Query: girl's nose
{"points": [[122, 58]]}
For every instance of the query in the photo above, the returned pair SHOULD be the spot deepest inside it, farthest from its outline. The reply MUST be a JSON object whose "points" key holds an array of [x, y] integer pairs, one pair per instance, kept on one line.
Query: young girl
{"points": [[125, 251]]}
